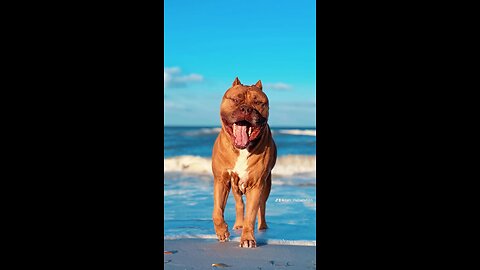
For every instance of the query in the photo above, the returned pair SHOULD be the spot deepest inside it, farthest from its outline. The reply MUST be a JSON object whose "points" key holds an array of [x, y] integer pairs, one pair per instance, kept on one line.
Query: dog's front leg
{"points": [[220, 196], [247, 239], [239, 205]]}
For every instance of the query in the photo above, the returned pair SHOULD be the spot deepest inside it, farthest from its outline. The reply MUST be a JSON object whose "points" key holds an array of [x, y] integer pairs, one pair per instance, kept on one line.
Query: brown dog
{"points": [[243, 156]]}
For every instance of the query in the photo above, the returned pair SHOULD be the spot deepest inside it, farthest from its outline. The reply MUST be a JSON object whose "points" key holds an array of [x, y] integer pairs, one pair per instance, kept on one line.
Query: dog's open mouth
{"points": [[243, 132]]}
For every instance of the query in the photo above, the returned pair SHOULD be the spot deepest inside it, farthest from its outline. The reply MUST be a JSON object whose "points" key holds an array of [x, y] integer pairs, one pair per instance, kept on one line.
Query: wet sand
{"points": [[202, 253]]}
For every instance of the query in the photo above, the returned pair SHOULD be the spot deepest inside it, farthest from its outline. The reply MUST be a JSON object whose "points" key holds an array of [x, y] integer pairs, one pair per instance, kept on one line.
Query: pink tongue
{"points": [[241, 137]]}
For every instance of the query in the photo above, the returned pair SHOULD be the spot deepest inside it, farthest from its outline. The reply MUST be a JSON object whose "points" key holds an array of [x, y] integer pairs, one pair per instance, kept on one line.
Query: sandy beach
{"points": [[202, 253]]}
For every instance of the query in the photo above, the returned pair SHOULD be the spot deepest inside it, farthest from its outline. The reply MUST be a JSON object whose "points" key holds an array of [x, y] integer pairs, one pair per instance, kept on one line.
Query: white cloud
{"points": [[172, 77], [172, 105], [172, 70], [278, 86]]}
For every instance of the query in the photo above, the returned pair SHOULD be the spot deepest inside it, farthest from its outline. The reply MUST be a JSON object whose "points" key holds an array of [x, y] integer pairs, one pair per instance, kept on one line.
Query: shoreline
{"points": [[235, 237]]}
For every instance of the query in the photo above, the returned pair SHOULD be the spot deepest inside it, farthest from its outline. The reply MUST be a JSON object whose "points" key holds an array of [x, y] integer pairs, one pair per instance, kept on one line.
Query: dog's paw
{"points": [[223, 237], [262, 226], [247, 240], [238, 225], [248, 244], [222, 232]]}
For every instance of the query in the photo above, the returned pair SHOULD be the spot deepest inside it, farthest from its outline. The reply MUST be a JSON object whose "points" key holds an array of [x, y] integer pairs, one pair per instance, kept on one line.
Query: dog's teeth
{"points": [[249, 131]]}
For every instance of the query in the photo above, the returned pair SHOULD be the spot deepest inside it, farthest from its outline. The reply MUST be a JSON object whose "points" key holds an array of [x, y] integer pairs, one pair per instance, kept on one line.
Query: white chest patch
{"points": [[241, 166]]}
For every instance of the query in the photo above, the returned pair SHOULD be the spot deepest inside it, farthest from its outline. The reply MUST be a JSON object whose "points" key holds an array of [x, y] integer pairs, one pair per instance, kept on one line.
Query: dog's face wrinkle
{"points": [[250, 96]]}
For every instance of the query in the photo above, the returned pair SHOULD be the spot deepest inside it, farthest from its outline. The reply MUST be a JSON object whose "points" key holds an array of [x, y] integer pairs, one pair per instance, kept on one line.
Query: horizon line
{"points": [[219, 126]]}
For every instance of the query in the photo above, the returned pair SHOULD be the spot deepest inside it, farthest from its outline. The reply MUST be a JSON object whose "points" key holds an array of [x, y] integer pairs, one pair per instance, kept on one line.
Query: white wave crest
{"points": [[188, 164], [292, 242], [189, 236], [237, 239], [295, 164], [203, 131], [304, 132], [288, 165]]}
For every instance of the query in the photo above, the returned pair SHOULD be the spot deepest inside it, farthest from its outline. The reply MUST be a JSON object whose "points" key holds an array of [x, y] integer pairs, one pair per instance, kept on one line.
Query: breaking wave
{"points": [[209, 131], [304, 132], [188, 164], [203, 131], [288, 165]]}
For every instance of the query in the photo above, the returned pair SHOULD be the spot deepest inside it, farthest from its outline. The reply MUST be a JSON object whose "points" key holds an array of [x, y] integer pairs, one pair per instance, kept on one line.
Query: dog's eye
{"points": [[258, 102], [235, 100]]}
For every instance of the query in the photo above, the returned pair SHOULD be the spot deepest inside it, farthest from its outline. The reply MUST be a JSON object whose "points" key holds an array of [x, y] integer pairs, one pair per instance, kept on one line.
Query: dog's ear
{"points": [[236, 82], [259, 84]]}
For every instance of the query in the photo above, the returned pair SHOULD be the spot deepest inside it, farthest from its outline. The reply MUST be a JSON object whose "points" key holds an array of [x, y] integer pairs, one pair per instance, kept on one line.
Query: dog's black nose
{"points": [[246, 109]]}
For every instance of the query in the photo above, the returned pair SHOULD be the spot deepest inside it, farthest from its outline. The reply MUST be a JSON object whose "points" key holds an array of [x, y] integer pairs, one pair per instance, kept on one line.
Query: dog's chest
{"points": [[241, 165]]}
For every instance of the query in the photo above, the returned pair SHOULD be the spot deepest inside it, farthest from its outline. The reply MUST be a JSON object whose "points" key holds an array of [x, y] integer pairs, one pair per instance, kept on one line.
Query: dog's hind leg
{"points": [[262, 223]]}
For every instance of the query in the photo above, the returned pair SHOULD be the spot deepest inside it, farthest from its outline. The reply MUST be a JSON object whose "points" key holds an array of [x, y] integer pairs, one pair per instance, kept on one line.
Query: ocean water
{"points": [[188, 187]]}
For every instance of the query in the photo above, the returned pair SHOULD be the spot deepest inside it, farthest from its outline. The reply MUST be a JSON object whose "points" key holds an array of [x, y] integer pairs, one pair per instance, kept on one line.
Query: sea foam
{"points": [[203, 131], [304, 132], [208, 131], [288, 165], [237, 239]]}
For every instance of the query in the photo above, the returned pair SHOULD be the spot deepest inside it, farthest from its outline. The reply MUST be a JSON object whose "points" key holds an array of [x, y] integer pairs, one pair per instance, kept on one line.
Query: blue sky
{"points": [[209, 43]]}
